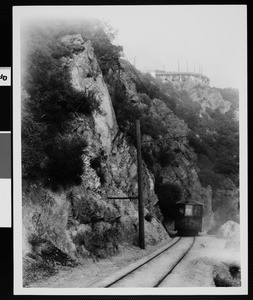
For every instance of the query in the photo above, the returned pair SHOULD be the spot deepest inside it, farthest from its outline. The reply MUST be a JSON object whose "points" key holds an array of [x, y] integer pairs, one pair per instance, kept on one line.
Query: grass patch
{"points": [[35, 270]]}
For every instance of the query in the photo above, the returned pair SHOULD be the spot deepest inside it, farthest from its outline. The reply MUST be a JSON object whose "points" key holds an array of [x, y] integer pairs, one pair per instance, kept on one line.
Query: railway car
{"points": [[189, 217]]}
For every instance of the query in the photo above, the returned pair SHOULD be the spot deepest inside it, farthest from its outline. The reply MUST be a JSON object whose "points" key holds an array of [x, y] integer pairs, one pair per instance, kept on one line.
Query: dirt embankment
{"points": [[208, 264]]}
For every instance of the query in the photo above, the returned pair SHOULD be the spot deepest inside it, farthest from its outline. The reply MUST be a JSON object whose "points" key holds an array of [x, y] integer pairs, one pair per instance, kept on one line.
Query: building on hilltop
{"points": [[182, 77]]}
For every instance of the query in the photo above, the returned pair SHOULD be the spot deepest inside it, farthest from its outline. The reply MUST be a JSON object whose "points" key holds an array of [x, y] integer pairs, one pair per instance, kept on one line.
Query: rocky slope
{"points": [[181, 166], [225, 199], [81, 221], [209, 98]]}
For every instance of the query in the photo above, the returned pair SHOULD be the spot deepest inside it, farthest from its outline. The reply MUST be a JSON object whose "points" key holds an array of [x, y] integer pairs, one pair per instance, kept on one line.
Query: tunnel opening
{"points": [[168, 194]]}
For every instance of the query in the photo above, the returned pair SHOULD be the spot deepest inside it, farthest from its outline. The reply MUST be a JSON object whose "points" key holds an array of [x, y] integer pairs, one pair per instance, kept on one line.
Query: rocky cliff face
{"points": [[226, 203], [81, 221], [86, 76], [223, 202], [182, 169], [209, 98]]}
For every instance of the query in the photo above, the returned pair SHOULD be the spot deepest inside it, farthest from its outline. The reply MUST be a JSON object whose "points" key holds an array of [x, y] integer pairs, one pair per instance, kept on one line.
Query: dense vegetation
{"points": [[53, 148], [50, 103], [214, 136], [51, 152], [49, 106]]}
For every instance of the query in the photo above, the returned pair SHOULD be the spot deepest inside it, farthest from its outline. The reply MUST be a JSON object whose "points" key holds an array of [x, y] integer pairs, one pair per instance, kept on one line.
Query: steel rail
{"points": [[152, 258], [144, 263], [177, 262]]}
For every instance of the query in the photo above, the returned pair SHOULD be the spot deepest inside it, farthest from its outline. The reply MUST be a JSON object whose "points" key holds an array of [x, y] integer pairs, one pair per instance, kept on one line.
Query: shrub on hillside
{"points": [[148, 158], [151, 87], [152, 126], [161, 155], [204, 162], [127, 113], [98, 32], [208, 177], [95, 163], [148, 217], [56, 161], [198, 146], [104, 240], [102, 35], [166, 157], [34, 270], [52, 98], [146, 84], [188, 114], [33, 137], [64, 165], [145, 99], [48, 154], [226, 166]]}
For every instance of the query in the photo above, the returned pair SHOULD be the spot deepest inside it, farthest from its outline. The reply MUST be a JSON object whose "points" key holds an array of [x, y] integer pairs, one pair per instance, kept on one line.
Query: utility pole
{"points": [[140, 187], [187, 67]]}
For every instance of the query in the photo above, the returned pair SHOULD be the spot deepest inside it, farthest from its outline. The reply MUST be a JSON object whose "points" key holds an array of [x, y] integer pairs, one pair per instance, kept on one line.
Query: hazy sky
{"points": [[211, 36]]}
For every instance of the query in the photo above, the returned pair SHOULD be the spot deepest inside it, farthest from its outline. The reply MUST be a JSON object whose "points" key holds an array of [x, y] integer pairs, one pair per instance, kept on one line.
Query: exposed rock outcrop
{"points": [[209, 98], [81, 221], [182, 169], [86, 76], [226, 203], [231, 232]]}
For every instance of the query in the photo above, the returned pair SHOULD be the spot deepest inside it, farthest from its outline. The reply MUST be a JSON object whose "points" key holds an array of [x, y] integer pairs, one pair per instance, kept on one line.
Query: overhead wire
{"points": [[146, 90], [134, 71]]}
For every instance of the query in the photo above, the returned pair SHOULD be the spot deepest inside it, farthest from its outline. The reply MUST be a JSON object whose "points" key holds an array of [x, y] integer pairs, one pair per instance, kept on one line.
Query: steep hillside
{"points": [[210, 136], [80, 101]]}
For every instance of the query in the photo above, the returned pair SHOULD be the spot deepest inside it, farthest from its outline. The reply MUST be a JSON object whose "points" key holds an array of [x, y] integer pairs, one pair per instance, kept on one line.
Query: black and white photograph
{"points": [[129, 149]]}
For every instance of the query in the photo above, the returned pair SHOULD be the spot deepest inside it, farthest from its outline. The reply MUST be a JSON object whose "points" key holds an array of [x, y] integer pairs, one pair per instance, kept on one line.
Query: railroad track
{"points": [[153, 270]]}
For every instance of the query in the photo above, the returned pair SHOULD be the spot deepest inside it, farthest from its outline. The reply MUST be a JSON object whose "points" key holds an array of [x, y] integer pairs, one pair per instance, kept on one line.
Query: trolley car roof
{"points": [[189, 202]]}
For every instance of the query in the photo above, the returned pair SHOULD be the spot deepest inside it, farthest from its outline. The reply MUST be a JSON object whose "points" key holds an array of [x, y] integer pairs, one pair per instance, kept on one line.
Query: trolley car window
{"points": [[181, 211], [188, 210]]}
